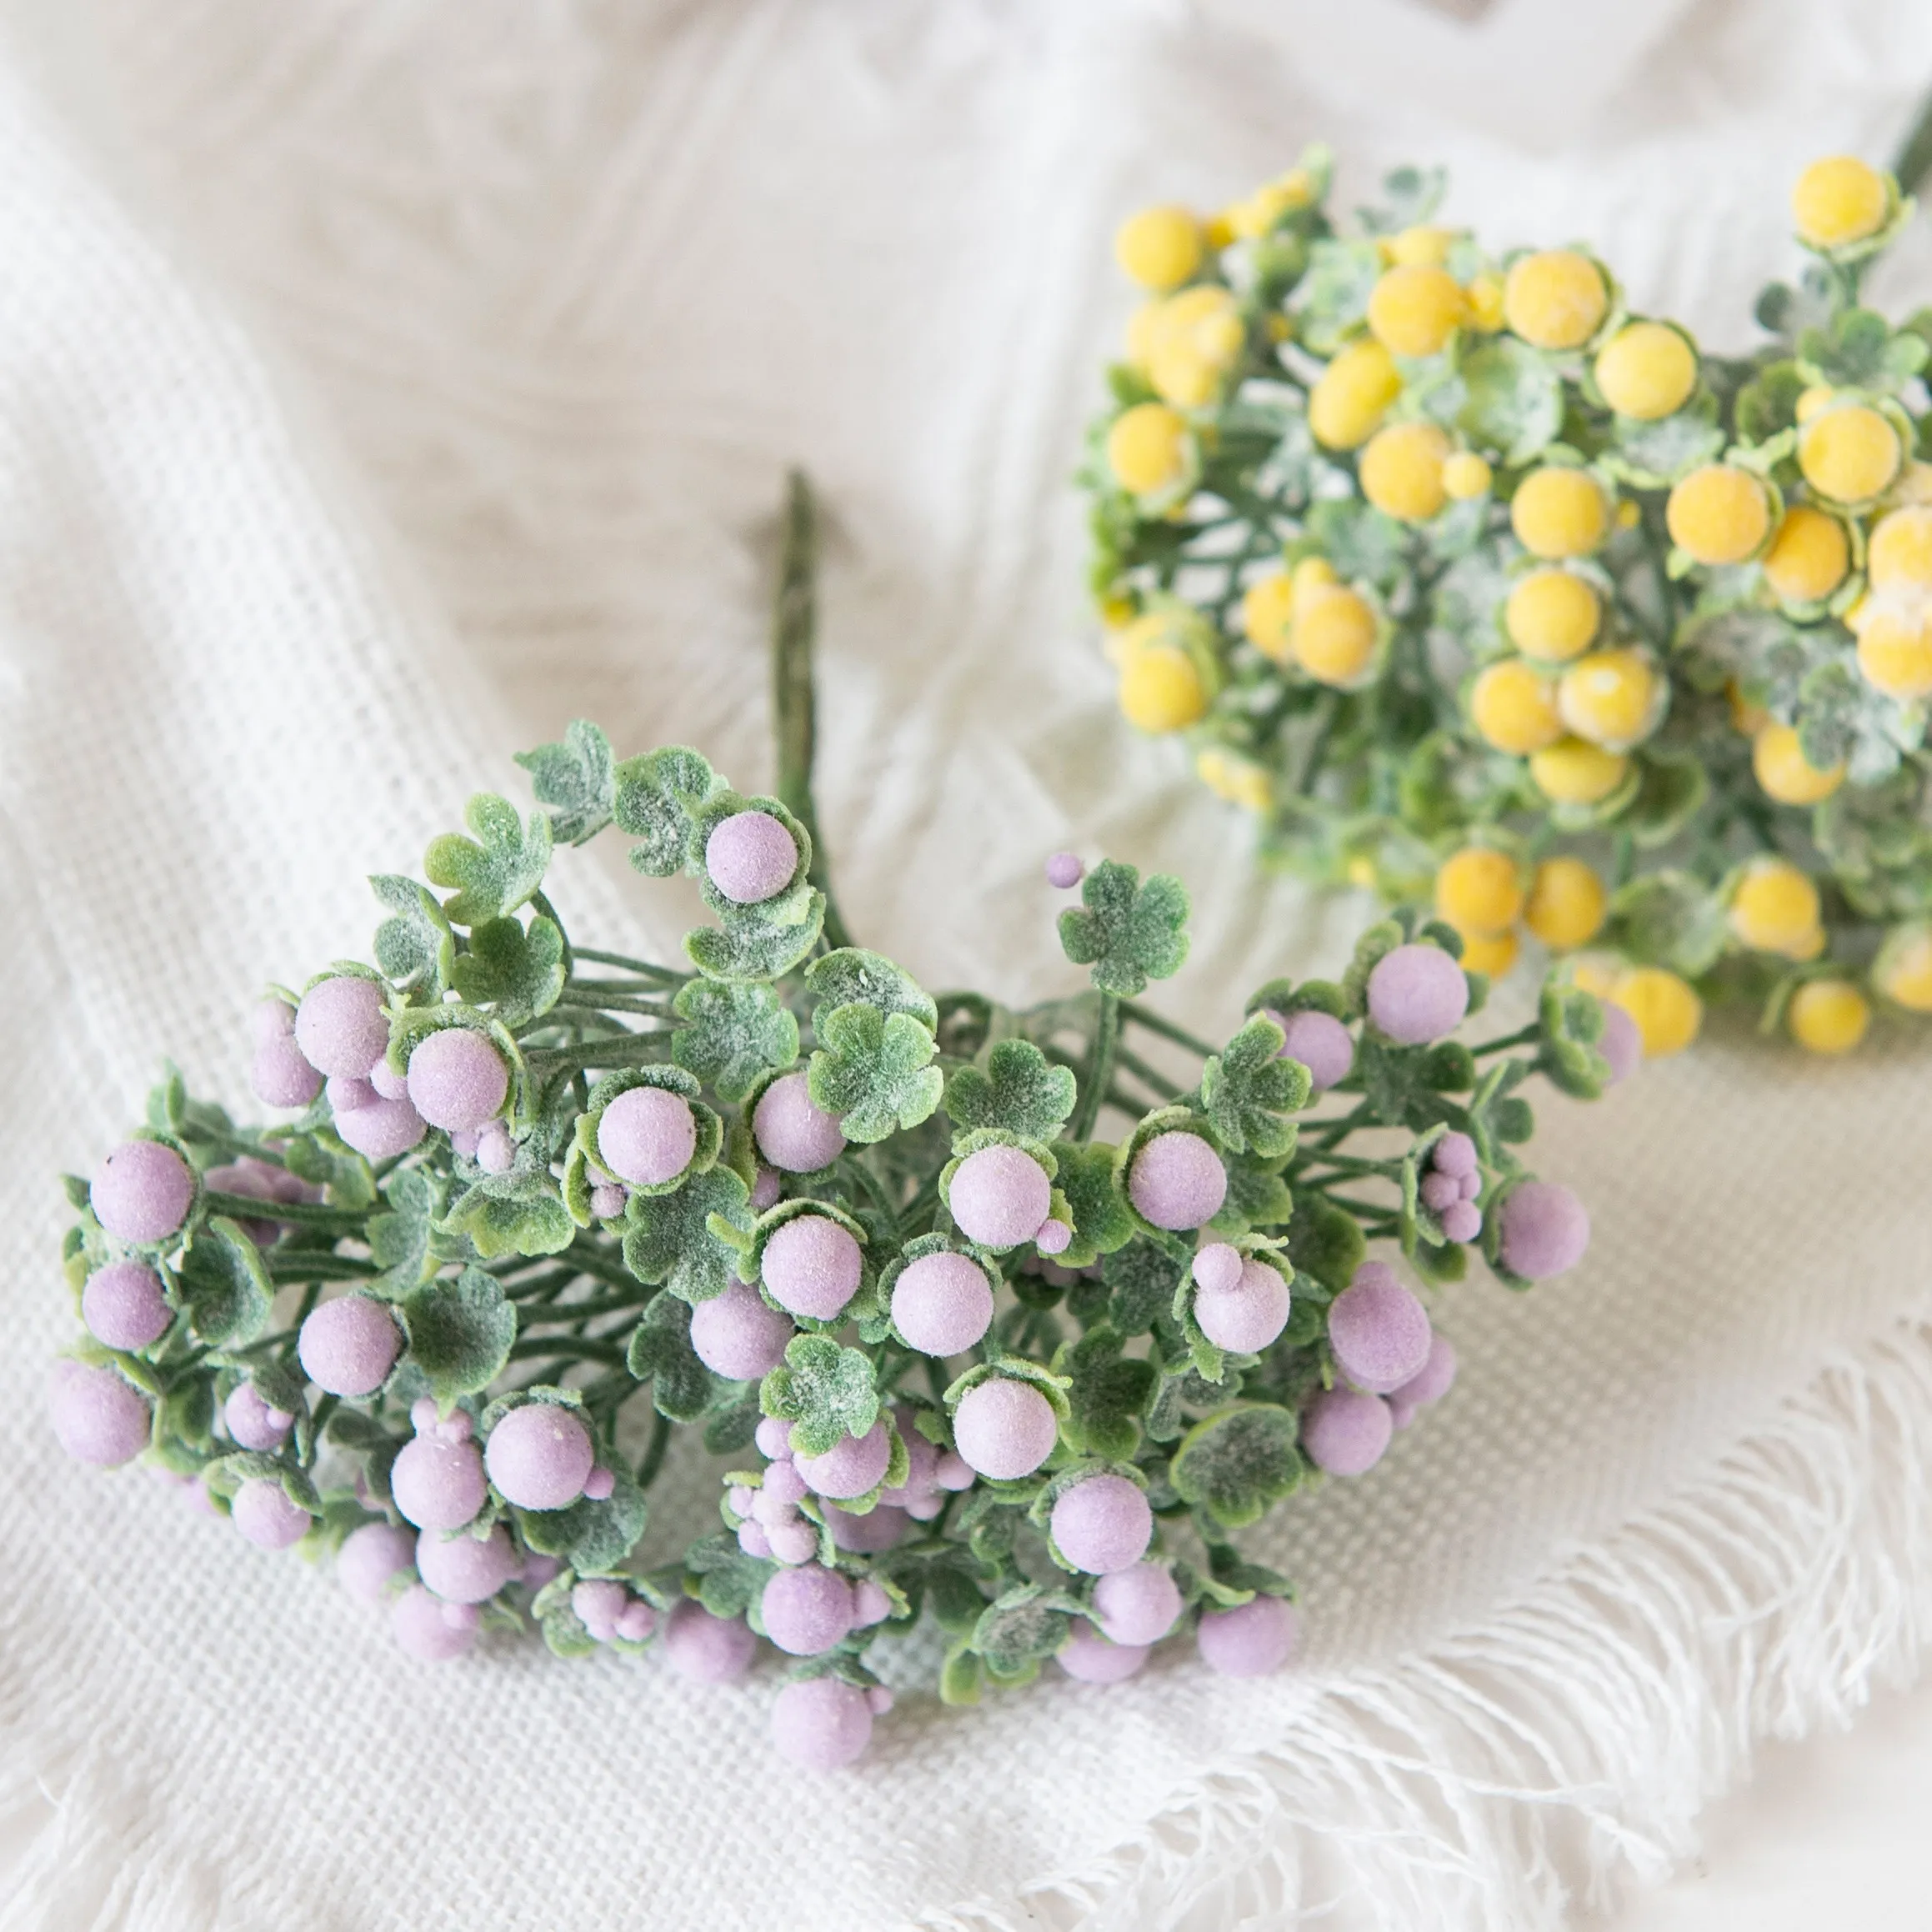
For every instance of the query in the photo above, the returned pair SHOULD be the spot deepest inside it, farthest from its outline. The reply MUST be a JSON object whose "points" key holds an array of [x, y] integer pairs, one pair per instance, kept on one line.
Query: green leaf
{"points": [[576, 780], [532, 1219], [659, 797], [1670, 794], [400, 1240], [668, 1240], [324, 1162], [1515, 400], [825, 1392], [1257, 1192], [1237, 1462], [495, 871], [414, 946], [593, 1538], [873, 1070], [1102, 1222], [1108, 1394], [1248, 1090], [460, 1328], [518, 973], [1020, 1091], [226, 1287], [1670, 918], [1141, 1280], [728, 1581], [661, 1353], [1019, 1628], [760, 942], [735, 1033], [1656, 454], [1127, 931], [1326, 1242], [851, 973], [1364, 546]]}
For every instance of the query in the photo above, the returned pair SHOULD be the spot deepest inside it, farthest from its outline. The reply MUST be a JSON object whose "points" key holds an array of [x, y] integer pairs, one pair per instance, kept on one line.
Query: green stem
{"points": [[1150, 1076], [1522, 1038], [653, 1456], [563, 1348], [297, 1264], [643, 967], [1143, 1016], [588, 1259], [620, 1049], [302, 1214], [552, 1313], [1915, 155], [1099, 1067], [612, 1003]]}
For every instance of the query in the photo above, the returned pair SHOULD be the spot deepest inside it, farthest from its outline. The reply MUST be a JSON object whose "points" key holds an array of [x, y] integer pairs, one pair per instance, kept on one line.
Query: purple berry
{"points": [[1246, 1317], [752, 1540], [437, 1485], [457, 1080], [388, 1083], [1177, 1181], [270, 1020], [812, 1266], [851, 1466], [1545, 1229], [264, 1512], [607, 1203], [807, 1610], [599, 1602], [768, 1186], [1437, 1376], [124, 1306], [737, 1335], [281, 1076], [1137, 1605], [647, 1136], [1102, 1523], [1345, 1432], [1417, 993], [1463, 1221], [1005, 1427], [383, 1129], [793, 1132], [1440, 1192], [600, 1485], [749, 857], [99, 1418], [1000, 1196], [1054, 1237], [141, 1192], [870, 1604], [636, 1621], [1321, 1042], [1089, 1658], [774, 1438], [467, 1569], [795, 1541], [346, 1095], [1065, 871], [1216, 1268], [341, 1027], [252, 1423], [428, 1629], [370, 1557], [348, 1346], [538, 1456], [705, 1649], [1454, 1153], [1253, 1639], [1471, 1185], [496, 1153], [821, 1724], [1620, 1043], [942, 1303], [1379, 1331], [783, 1488], [880, 1529]]}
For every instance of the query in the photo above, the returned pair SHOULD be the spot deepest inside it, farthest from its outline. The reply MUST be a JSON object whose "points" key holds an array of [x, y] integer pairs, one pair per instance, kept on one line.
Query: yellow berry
{"points": [[1335, 635], [1837, 201], [1567, 905], [1159, 248], [1484, 296], [1611, 698], [1849, 454], [1193, 343], [1513, 706], [1401, 470], [1552, 615], [1466, 475], [1236, 779], [1142, 327], [1811, 401], [1903, 970], [1598, 975], [1258, 214], [1666, 1008], [1555, 300], [1718, 513], [1915, 485], [1267, 611], [1414, 311], [1489, 953], [1808, 558], [1421, 247], [1775, 909], [1785, 773], [1573, 773], [1560, 512], [1146, 449], [1480, 890], [1646, 370], [1360, 871], [1162, 690], [1895, 652], [1900, 555], [1829, 1016], [1351, 393], [1310, 575]]}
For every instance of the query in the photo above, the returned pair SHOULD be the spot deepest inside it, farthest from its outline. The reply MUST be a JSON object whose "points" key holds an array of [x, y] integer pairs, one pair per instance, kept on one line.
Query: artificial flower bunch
{"points": [[1482, 590]]}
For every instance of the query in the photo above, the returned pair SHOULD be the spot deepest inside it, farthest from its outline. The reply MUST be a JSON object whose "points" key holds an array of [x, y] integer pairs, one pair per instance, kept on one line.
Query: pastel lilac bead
{"points": [[99, 1418], [793, 1541], [124, 1306], [870, 1604], [1054, 1237], [1321, 1042], [1620, 1043], [880, 1529], [388, 1083], [383, 1129], [424, 1629], [341, 1027], [705, 1649], [942, 1303], [348, 1346], [252, 1423], [281, 1076], [636, 1621], [773, 1437], [1545, 1229], [812, 1266], [1138, 1605], [821, 1724], [1435, 1380], [141, 1192], [437, 1485], [1463, 1221], [1417, 993], [496, 1151], [466, 1569], [1177, 1181], [791, 1130], [1000, 1196], [851, 1466], [784, 1485], [1346, 1432], [1455, 1153], [1088, 1657], [1065, 871], [608, 1202], [599, 1601], [1379, 1331], [370, 1557], [264, 1512], [767, 1185], [807, 1610], [738, 1334], [1253, 1639], [1440, 1192], [457, 1080], [1102, 1525], [1246, 1317], [1218, 1267], [749, 857], [346, 1095], [1005, 1427], [270, 1020], [647, 1136], [538, 1456]]}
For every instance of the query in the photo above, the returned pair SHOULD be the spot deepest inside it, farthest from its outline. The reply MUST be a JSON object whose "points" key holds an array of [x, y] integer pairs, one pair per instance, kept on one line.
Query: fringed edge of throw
{"points": [[1564, 1749]]}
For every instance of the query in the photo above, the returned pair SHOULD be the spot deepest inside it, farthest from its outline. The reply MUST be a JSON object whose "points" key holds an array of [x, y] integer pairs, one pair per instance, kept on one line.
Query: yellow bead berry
{"points": [[1666, 1008], [1915, 485], [1484, 296], [1573, 773], [1785, 773], [1839, 201], [1267, 611], [1236, 779], [1335, 635], [1598, 975], [1312, 575], [1551, 615], [1646, 370], [1421, 247], [1555, 300], [1414, 311], [1146, 449], [1351, 393], [1401, 471], [1903, 970], [1193, 342], [1489, 953], [1611, 698], [1258, 214], [1895, 652], [1466, 475], [1159, 248], [1513, 706], [1808, 558], [1143, 327], [1811, 401], [1718, 513], [1849, 454], [1162, 690], [1480, 890], [1567, 905], [1775, 909], [1560, 512], [1901, 554], [1829, 1016]]}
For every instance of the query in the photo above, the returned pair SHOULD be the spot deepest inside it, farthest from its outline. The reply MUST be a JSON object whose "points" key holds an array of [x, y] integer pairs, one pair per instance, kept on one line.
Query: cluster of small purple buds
{"points": [[1449, 1189]]}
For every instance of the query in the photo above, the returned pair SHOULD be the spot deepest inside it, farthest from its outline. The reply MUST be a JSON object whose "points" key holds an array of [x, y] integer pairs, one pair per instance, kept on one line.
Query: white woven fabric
{"points": [[382, 387]]}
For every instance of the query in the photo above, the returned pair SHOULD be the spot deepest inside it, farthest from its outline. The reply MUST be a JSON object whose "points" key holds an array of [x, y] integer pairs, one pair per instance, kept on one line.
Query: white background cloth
{"points": [[379, 388]]}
